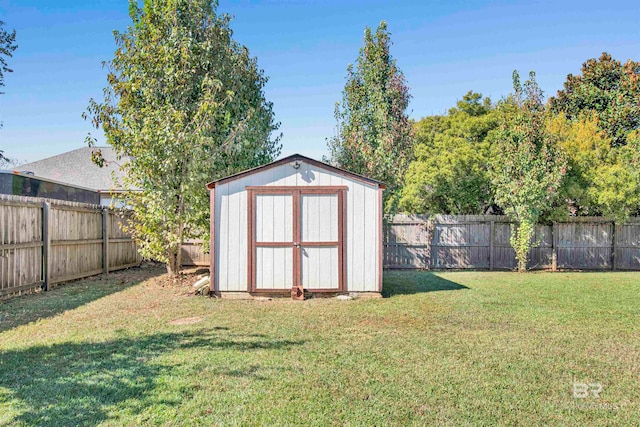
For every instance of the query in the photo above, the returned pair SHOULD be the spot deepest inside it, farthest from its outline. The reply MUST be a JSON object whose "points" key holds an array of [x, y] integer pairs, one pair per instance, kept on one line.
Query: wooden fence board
{"points": [[406, 243], [627, 251], [20, 243], [193, 254], [122, 250], [585, 245], [76, 242]]}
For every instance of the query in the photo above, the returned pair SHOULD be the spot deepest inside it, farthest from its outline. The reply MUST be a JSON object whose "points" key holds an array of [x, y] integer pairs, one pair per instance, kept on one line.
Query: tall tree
{"points": [[374, 135], [184, 105], [527, 164], [608, 89], [449, 172]]}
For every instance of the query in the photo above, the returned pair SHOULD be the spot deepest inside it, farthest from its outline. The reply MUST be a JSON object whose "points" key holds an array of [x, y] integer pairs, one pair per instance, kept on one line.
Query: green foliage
{"points": [[527, 164], [184, 106], [449, 172], [616, 183], [607, 88], [585, 147], [374, 135], [602, 179], [7, 47]]}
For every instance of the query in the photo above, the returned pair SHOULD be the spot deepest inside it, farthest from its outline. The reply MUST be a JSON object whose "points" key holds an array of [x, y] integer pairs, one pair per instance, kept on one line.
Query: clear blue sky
{"points": [[445, 48]]}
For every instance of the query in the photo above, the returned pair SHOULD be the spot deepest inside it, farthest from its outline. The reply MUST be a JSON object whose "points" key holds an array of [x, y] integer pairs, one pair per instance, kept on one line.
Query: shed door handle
{"points": [[296, 244]]}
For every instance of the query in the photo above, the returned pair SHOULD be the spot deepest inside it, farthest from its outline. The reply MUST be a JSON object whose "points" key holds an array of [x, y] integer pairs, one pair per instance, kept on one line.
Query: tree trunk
{"points": [[522, 233], [179, 257], [522, 266], [173, 263], [178, 254]]}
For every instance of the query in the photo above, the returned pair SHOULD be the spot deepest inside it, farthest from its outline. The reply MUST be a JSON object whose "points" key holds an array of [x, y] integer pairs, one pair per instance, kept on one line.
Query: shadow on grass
{"points": [[25, 309], [406, 282], [89, 383]]}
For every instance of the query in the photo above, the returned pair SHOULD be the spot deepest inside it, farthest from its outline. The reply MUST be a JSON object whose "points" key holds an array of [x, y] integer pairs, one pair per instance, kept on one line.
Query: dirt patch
{"points": [[186, 321], [181, 284], [179, 281]]}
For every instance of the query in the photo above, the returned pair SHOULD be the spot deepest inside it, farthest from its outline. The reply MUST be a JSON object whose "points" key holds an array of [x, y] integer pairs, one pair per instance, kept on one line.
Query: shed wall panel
{"points": [[357, 242], [222, 237], [319, 222], [273, 267], [370, 248], [234, 242], [273, 218], [320, 267]]}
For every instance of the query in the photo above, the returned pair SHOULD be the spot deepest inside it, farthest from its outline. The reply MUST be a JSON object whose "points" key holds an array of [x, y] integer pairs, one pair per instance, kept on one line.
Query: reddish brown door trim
{"points": [[273, 244], [297, 292], [380, 238], [212, 242], [342, 234], [296, 244], [251, 237]]}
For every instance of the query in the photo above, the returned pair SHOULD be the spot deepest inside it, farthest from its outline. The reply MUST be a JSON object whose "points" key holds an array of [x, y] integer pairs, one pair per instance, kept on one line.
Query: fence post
{"points": [[425, 251], [491, 228], [614, 258], [554, 247], [46, 245], [105, 240], [434, 246]]}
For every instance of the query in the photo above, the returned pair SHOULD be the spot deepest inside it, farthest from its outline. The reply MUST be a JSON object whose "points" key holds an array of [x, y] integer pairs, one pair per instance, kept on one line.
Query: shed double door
{"points": [[296, 239]]}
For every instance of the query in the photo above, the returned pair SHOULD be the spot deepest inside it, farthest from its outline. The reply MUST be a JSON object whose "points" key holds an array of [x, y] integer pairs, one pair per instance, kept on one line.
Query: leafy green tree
{"points": [[607, 88], [184, 105], [527, 164], [449, 172], [374, 134]]}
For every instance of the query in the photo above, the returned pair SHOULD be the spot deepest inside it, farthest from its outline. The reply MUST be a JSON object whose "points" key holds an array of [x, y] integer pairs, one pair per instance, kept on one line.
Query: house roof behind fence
{"points": [[76, 167]]}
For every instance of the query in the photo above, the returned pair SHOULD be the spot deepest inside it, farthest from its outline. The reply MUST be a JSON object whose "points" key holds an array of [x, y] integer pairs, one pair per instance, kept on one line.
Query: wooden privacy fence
{"points": [[482, 242], [193, 254], [43, 242]]}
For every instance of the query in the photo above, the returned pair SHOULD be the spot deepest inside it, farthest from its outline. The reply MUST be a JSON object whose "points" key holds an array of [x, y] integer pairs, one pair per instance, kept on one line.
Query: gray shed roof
{"points": [[75, 167]]}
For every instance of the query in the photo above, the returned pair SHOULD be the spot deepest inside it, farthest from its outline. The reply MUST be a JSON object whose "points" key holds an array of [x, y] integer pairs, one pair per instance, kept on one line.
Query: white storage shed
{"points": [[293, 226]]}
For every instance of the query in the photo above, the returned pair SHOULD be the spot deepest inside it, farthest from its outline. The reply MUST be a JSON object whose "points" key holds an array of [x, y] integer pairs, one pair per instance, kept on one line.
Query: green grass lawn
{"points": [[455, 348]]}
